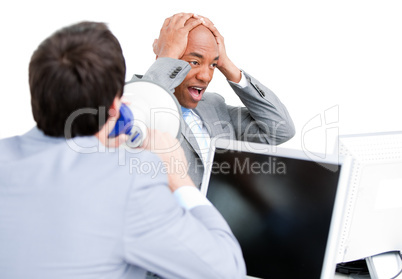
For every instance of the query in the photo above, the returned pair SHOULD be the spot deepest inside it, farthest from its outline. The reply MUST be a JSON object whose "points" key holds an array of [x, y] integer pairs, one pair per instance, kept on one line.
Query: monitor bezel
{"points": [[329, 261]]}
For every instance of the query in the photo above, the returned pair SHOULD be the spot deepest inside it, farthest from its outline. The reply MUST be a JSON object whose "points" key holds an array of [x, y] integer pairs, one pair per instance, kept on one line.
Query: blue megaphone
{"points": [[148, 106]]}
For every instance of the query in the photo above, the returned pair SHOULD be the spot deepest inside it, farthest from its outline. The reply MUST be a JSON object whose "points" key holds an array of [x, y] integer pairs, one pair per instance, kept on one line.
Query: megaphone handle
{"points": [[124, 123]]}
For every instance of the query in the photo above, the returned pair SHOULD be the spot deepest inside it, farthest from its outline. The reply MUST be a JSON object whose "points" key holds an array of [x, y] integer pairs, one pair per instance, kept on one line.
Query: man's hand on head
{"points": [[225, 65], [173, 37]]}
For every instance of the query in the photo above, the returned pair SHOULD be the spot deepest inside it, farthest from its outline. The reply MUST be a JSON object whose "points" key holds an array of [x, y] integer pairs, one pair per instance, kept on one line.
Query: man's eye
{"points": [[214, 65], [194, 63]]}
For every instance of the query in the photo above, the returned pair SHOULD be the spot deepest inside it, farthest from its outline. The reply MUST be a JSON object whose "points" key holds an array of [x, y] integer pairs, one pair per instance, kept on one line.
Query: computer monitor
{"points": [[284, 208], [373, 209]]}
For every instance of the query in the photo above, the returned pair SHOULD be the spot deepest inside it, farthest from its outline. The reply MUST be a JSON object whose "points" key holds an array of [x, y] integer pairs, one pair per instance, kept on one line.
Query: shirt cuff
{"points": [[190, 197], [243, 81]]}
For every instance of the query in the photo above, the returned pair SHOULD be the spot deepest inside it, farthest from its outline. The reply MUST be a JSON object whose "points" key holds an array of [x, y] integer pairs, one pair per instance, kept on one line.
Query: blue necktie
{"points": [[200, 134]]}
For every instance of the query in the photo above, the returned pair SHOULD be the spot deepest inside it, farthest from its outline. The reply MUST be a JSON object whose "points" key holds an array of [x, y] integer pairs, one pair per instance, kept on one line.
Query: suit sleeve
{"points": [[173, 242], [264, 118], [167, 72]]}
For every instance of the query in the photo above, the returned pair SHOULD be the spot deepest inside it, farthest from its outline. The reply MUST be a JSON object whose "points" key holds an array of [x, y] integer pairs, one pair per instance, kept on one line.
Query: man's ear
{"points": [[114, 110], [113, 116]]}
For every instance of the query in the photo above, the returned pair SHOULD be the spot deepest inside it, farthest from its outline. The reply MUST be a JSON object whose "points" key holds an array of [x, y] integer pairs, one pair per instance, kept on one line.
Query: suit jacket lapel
{"points": [[210, 118], [189, 136]]}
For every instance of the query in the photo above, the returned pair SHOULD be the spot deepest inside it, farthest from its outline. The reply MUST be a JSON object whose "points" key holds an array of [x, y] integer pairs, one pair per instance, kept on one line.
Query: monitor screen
{"points": [[279, 208]]}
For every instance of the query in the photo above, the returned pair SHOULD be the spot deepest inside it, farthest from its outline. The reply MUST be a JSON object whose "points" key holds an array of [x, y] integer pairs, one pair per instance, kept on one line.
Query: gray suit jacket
{"points": [[73, 209], [264, 118]]}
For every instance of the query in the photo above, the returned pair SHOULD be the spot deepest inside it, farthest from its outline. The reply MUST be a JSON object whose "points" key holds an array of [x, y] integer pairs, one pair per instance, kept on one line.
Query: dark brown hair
{"points": [[74, 76]]}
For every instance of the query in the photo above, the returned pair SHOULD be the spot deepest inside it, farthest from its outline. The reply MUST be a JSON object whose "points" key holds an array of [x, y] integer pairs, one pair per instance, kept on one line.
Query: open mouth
{"points": [[199, 89], [196, 92]]}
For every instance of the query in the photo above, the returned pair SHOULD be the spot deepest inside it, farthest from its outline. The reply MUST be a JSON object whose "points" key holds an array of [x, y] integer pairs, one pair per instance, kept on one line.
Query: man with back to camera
{"points": [[187, 73], [69, 210]]}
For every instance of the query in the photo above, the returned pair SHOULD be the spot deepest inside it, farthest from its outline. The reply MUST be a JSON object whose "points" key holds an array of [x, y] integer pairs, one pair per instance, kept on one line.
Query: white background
{"points": [[336, 65]]}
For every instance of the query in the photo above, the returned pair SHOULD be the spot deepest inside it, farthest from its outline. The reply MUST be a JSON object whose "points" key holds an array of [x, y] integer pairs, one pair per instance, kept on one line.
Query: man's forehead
{"points": [[201, 43], [201, 35], [199, 55]]}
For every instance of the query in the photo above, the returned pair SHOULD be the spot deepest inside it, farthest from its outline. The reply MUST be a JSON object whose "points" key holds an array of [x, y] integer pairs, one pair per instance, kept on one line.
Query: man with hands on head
{"points": [[71, 209], [188, 51]]}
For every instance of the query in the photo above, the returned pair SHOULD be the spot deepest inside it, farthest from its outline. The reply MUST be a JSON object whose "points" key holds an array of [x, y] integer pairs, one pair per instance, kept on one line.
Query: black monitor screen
{"points": [[278, 208]]}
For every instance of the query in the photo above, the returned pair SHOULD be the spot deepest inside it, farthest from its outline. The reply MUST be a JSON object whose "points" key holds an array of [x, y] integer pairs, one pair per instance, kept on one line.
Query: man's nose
{"points": [[205, 74]]}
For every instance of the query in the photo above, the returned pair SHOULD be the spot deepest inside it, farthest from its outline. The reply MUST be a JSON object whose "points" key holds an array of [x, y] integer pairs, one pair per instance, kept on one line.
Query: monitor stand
{"points": [[386, 265]]}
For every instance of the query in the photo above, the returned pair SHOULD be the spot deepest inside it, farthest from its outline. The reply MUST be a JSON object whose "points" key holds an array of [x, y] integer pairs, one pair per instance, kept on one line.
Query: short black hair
{"points": [[78, 67]]}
